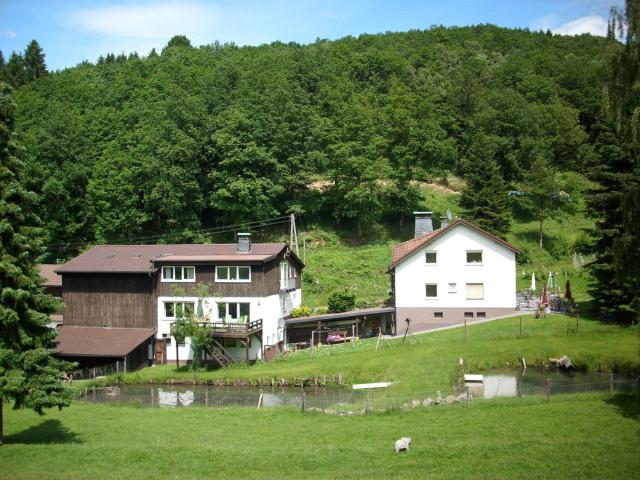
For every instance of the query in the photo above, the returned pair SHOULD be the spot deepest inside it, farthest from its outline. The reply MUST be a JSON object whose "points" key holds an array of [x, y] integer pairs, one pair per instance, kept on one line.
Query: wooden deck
{"points": [[234, 330]]}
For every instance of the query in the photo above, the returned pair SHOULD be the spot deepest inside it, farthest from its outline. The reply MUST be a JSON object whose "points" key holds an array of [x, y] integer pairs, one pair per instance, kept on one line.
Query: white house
{"points": [[457, 272]]}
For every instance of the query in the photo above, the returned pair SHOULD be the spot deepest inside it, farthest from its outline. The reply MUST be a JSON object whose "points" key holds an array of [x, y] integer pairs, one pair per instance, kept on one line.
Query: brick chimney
{"points": [[444, 221], [424, 223], [244, 242]]}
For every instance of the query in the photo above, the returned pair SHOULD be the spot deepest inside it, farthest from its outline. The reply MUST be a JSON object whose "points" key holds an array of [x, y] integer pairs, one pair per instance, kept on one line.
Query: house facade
{"points": [[446, 276], [242, 291]]}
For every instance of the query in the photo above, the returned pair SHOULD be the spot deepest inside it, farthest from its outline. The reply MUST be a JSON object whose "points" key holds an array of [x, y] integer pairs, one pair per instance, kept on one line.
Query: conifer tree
{"points": [[14, 71], [34, 64], [2, 66], [484, 199], [29, 375]]}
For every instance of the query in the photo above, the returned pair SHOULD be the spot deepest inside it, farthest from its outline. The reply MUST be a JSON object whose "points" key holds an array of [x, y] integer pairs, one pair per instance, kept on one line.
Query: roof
{"points": [[99, 341], [340, 316], [52, 279], [405, 249], [141, 258]]}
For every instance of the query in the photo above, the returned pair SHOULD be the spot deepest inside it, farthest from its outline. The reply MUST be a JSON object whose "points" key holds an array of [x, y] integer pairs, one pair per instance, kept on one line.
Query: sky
{"points": [[71, 31]]}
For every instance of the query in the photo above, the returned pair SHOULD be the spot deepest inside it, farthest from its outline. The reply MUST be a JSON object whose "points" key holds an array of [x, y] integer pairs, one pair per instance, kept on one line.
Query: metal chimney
{"points": [[244, 242], [424, 224]]}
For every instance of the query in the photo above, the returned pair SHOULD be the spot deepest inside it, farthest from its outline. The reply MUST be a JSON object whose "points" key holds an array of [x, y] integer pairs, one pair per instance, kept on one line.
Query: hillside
{"points": [[158, 148]]}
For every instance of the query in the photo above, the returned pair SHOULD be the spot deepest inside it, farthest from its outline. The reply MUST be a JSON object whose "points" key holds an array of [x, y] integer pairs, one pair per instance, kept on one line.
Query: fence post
{"points": [[520, 327], [611, 383], [546, 388], [260, 400], [467, 397], [465, 328], [304, 402]]}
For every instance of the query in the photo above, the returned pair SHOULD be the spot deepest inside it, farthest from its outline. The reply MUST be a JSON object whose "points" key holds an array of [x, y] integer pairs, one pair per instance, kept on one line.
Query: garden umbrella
{"points": [[200, 310], [567, 290], [533, 281], [543, 297], [550, 281]]}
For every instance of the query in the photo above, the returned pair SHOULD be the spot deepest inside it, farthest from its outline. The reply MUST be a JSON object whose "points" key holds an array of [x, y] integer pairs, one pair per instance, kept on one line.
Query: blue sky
{"points": [[71, 31]]}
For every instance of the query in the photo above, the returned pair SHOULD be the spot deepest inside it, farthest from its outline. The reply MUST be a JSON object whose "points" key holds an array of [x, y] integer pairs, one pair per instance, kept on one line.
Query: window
{"points": [[234, 311], [481, 314], [167, 339], [475, 291], [453, 287], [233, 274], [438, 315], [174, 310], [287, 274], [432, 290], [474, 257], [468, 314], [432, 258], [178, 274]]}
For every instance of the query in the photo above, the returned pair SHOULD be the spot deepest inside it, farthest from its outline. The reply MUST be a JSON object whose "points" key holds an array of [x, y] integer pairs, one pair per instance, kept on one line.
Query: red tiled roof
{"points": [[99, 341], [403, 250], [52, 279], [138, 258]]}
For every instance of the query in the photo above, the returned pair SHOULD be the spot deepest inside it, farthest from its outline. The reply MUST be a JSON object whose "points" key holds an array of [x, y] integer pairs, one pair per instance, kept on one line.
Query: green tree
{"points": [[177, 41], [2, 66], [14, 71], [342, 301], [484, 199], [29, 375], [34, 63]]}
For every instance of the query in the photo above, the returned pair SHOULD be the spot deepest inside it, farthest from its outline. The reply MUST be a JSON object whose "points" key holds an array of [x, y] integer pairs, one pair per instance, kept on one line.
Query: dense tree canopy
{"points": [[197, 137]]}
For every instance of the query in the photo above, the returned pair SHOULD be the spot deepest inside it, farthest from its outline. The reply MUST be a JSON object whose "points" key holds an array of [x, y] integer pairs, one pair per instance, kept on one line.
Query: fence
{"points": [[345, 401]]}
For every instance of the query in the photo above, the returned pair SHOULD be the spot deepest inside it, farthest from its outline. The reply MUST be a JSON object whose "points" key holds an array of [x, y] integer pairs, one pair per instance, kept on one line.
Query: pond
{"points": [[533, 381]]}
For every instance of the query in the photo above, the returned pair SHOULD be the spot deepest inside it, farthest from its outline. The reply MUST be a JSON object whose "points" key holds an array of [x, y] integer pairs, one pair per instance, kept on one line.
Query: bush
{"points": [[342, 301], [301, 311]]}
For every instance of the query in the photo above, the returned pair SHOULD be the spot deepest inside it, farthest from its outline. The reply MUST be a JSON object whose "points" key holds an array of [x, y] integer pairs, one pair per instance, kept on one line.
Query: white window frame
{"points": [[287, 272], [425, 291], [173, 268], [474, 263], [229, 279], [467, 291], [425, 257], [226, 304], [175, 303], [452, 287]]}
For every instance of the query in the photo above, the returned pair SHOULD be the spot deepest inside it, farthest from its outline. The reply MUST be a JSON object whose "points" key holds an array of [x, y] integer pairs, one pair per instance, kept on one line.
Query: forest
{"points": [[168, 146]]}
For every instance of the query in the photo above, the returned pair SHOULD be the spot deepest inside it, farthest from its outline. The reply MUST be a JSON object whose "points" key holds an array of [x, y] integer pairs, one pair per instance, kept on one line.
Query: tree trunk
{"points": [[1, 422], [541, 219], [177, 356]]}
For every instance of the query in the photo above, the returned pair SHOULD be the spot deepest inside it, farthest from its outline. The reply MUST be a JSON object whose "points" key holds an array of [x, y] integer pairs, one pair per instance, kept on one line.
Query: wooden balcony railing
{"points": [[234, 329]]}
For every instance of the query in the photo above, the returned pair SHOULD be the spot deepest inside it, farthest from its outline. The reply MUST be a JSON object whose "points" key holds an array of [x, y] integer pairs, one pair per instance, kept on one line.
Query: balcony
{"points": [[287, 284], [234, 329]]}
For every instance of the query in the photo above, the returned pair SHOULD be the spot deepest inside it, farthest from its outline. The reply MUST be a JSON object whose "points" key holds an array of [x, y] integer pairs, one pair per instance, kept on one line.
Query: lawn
{"points": [[577, 436], [434, 361]]}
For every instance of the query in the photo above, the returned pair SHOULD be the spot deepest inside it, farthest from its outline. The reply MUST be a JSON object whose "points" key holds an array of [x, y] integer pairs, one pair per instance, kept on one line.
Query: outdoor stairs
{"points": [[219, 354]]}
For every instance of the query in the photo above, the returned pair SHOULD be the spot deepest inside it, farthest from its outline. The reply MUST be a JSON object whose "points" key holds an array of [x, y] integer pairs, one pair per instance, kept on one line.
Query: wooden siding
{"points": [[114, 300], [265, 281]]}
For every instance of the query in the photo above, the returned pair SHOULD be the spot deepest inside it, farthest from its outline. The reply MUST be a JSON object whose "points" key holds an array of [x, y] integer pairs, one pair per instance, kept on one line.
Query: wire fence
{"points": [[95, 372], [345, 401]]}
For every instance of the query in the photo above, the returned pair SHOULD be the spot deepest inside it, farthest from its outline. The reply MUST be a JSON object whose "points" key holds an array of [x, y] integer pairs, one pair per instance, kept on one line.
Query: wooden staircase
{"points": [[219, 354]]}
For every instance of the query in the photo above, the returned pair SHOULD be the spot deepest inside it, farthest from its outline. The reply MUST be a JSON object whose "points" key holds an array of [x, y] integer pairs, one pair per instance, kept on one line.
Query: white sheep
{"points": [[403, 444]]}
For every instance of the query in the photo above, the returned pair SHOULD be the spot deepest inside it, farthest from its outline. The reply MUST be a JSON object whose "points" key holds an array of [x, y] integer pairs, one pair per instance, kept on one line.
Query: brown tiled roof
{"points": [[403, 250], [214, 258], [138, 258], [99, 341], [52, 279]]}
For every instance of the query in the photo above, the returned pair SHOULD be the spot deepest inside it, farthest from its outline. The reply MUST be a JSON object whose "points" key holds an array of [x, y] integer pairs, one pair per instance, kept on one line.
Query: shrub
{"points": [[341, 301], [301, 311]]}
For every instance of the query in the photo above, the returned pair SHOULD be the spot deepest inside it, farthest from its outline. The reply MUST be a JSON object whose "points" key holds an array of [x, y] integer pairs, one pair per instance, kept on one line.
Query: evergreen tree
{"points": [[29, 375], [34, 64], [616, 288], [177, 41], [484, 199], [2, 66], [14, 71]]}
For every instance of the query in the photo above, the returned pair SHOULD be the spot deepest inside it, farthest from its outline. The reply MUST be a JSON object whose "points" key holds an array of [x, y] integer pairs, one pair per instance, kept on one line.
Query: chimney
{"points": [[423, 223], [244, 242], [444, 221]]}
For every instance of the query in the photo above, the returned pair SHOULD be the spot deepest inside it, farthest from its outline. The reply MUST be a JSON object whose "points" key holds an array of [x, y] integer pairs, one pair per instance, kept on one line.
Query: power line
{"points": [[254, 225]]}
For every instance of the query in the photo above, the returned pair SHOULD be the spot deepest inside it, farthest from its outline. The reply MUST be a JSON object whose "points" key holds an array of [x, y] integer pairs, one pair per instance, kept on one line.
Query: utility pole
{"points": [[293, 234]]}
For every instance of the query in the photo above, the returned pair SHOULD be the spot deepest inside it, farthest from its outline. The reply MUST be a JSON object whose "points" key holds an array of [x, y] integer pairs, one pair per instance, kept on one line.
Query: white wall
{"points": [[497, 273], [271, 310]]}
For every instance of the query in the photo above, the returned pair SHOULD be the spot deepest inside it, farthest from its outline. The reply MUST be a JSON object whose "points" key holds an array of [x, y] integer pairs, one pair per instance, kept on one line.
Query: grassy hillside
{"points": [[571, 437], [334, 261]]}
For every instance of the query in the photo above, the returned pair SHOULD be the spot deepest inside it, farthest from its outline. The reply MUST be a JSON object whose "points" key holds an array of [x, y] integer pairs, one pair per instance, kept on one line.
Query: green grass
{"points": [[597, 347], [577, 436]]}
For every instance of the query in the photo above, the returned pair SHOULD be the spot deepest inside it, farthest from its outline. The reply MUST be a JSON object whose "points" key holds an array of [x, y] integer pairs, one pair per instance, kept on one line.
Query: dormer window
{"points": [[233, 274], [179, 274]]}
